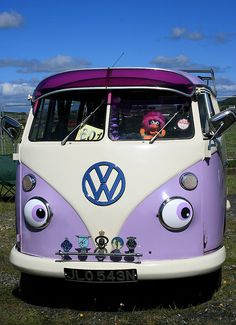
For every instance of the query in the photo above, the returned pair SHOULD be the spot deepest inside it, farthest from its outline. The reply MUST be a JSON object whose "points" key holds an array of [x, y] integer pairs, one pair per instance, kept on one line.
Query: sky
{"points": [[42, 37]]}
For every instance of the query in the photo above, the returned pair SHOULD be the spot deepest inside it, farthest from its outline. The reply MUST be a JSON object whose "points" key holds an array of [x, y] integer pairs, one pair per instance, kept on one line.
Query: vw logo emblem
{"points": [[103, 183]]}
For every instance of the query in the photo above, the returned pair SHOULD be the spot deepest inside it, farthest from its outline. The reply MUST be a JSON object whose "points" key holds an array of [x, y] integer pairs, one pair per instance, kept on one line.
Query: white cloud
{"points": [[182, 62], [15, 92], [224, 86], [51, 65], [19, 90], [15, 89], [195, 36], [10, 19], [222, 38], [183, 33], [59, 63], [226, 89], [178, 32], [179, 62]]}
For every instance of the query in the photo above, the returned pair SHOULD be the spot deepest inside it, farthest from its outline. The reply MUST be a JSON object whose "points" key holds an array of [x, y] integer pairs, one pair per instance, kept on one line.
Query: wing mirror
{"points": [[222, 121], [11, 127]]}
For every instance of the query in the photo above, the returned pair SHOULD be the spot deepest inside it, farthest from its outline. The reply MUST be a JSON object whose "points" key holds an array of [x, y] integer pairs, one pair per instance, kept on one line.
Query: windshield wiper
{"points": [[159, 132], [63, 142]]}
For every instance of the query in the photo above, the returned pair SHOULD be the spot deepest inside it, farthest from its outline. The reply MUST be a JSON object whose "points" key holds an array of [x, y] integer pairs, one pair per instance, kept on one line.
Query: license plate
{"points": [[99, 276]]}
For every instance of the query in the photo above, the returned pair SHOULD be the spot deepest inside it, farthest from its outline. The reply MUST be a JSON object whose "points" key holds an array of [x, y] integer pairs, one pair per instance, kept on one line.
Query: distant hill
{"points": [[227, 102]]}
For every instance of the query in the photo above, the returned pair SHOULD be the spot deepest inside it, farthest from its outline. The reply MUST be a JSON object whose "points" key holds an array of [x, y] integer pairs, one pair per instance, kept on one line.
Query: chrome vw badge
{"points": [[103, 183]]}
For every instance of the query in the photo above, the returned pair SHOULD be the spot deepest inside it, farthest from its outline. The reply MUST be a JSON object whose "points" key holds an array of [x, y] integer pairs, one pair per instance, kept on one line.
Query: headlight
{"points": [[37, 213], [28, 182], [188, 181], [176, 214]]}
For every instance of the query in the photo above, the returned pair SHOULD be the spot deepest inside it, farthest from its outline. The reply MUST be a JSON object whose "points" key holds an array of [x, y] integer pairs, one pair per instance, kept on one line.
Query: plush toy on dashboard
{"points": [[152, 123]]}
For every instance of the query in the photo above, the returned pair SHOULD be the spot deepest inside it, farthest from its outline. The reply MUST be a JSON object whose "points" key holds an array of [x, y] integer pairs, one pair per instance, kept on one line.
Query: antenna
{"points": [[118, 59]]}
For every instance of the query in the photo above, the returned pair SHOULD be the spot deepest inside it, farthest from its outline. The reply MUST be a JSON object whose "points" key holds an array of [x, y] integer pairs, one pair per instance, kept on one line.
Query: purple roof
{"points": [[118, 77]]}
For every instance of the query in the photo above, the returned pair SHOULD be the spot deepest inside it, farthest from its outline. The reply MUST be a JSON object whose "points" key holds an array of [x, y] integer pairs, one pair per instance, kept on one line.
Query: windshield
{"points": [[142, 115], [60, 113], [135, 114]]}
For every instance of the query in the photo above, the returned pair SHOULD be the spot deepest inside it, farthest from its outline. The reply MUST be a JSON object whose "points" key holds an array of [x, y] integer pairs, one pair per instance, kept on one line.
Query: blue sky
{"points": [[40, 38]]}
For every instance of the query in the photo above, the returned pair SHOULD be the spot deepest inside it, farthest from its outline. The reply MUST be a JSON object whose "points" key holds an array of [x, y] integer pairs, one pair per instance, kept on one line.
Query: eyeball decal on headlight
{"points": [[176, 214], [37, 213]]}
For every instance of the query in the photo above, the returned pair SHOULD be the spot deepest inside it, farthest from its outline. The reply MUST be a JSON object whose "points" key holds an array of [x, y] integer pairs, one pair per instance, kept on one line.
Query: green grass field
{"points": [[230, 137]]}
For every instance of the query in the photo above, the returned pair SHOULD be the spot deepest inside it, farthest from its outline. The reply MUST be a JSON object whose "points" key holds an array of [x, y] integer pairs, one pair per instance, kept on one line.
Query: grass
{"points": [[231, 183], [230, 137]]}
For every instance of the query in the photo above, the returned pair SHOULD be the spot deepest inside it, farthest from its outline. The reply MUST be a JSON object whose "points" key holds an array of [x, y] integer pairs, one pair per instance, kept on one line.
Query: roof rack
{"points": [[209, 76]]}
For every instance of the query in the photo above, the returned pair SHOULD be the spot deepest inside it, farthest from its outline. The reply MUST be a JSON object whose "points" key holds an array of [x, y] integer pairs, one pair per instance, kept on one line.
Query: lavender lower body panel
{"points": [[154, 241], [65, 222], [205, 232]]}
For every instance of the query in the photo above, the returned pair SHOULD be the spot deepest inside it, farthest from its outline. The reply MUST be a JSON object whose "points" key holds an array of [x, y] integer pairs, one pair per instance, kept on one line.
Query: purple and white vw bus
{"points": [[121, 177]]}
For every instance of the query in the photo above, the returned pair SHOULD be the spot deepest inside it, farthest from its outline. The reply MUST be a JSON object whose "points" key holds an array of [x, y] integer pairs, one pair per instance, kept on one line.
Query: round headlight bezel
{"points": [[28, 182], [166, 221], [37, 222], [188, 181]]}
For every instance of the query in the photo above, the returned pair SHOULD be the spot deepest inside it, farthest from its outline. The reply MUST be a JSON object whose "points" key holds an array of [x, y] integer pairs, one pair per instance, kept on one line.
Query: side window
{"points": [[37, 132], [54, 119], [59, 114], [206, 111]]}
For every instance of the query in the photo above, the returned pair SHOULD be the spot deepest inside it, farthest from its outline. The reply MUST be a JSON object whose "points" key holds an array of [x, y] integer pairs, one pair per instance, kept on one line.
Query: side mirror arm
{"points": [[214, 135]]}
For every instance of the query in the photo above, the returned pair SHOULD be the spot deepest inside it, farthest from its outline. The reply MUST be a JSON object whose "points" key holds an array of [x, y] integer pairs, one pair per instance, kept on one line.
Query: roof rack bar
{"points": [[210, 71], [204, 78]]}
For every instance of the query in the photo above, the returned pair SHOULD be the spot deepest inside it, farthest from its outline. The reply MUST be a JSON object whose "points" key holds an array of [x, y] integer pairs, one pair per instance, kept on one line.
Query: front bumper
{"points": [[146, 270]]}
